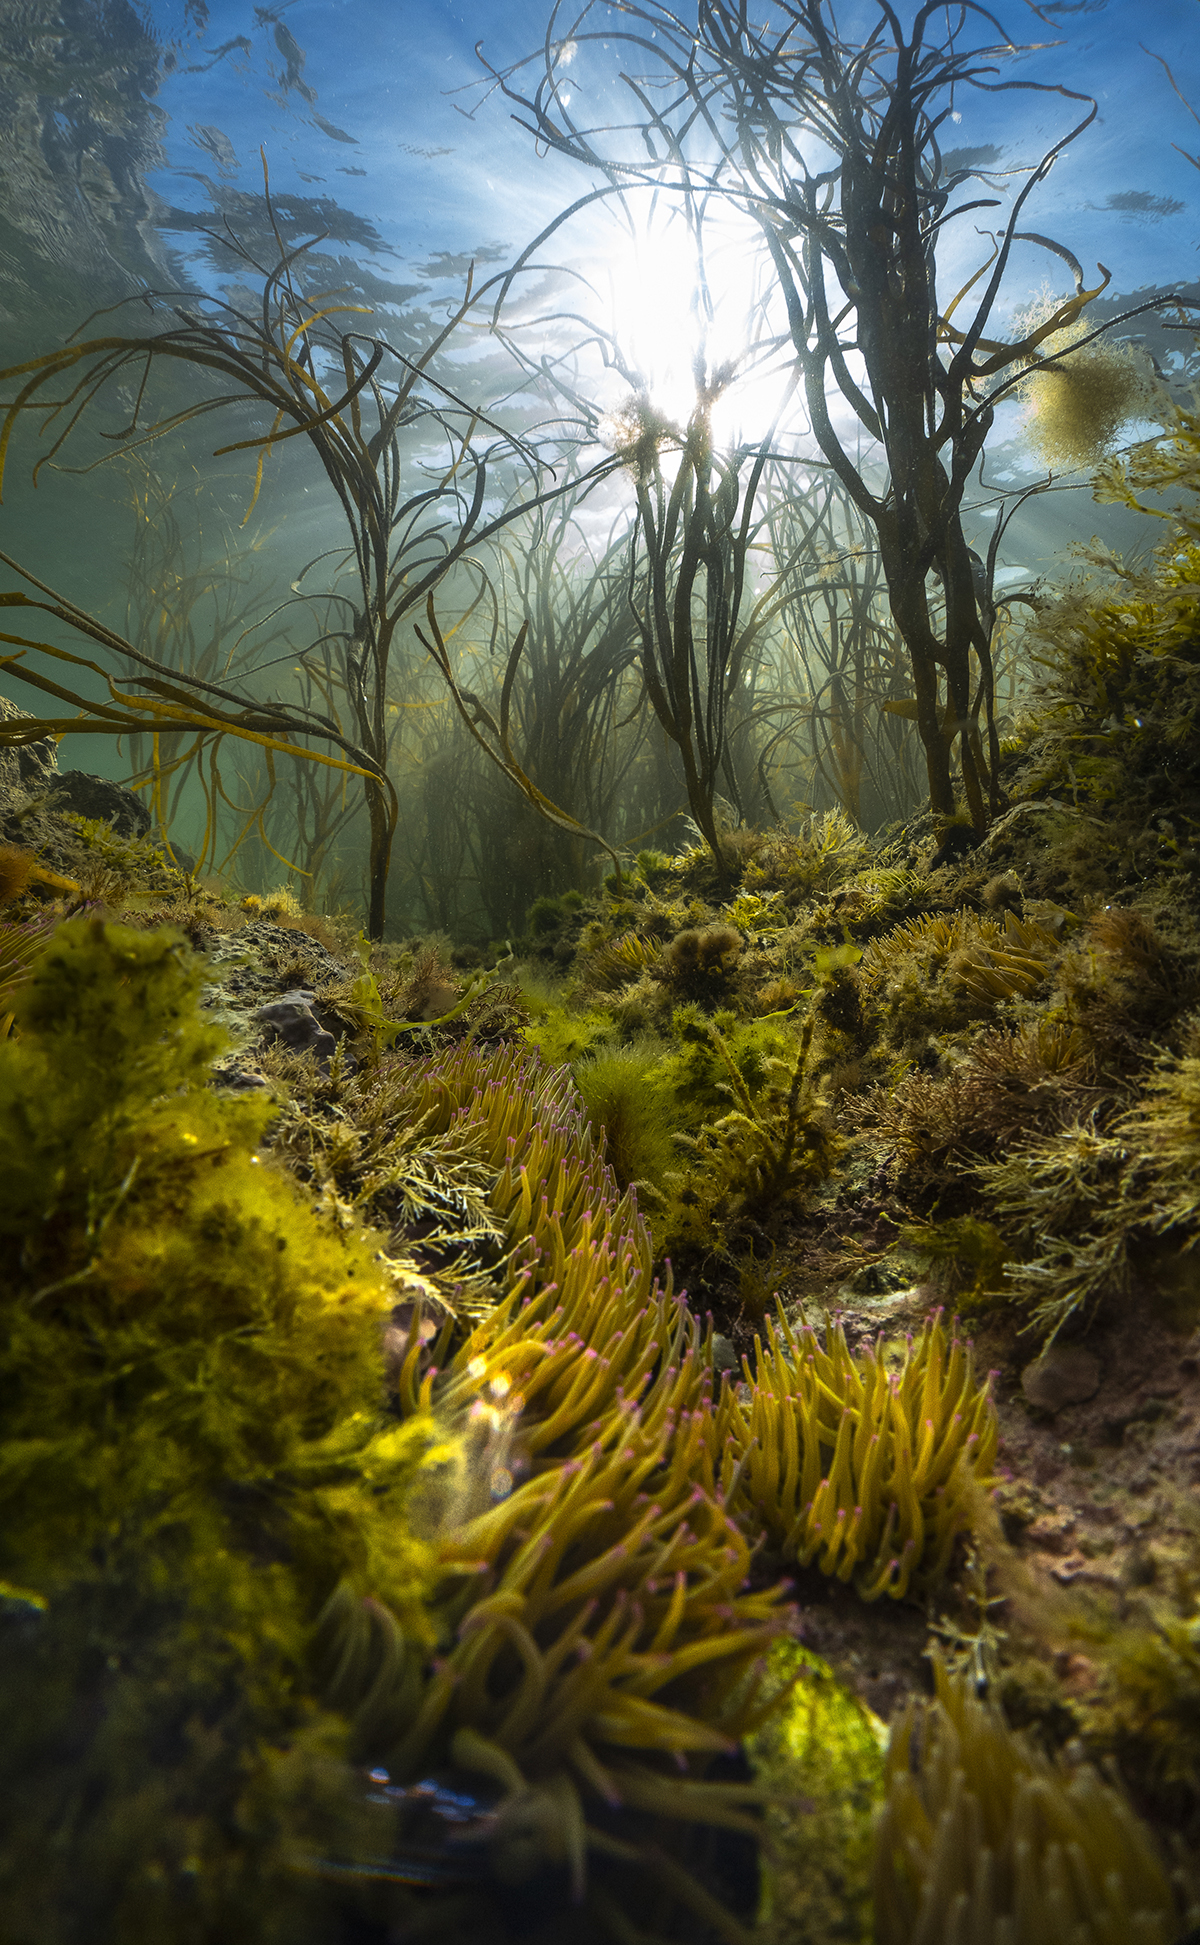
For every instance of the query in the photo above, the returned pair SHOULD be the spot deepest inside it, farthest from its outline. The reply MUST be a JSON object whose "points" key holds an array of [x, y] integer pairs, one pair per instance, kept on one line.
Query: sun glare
{"points": [[659, 315], [679, 314]]}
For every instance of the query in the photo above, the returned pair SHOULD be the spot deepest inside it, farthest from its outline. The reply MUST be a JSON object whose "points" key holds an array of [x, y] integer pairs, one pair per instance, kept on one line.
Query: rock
{"points": [[1052, 1531], [1066, 1374], [240, 1080], [99, 798], [880, 1279], [263, 940], [25, 768], [725, 1358], [27, 771], [290, 1019], [35, 794], [174, 854]]}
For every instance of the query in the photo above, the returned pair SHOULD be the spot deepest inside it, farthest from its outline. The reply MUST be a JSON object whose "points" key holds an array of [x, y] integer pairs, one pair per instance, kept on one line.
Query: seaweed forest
{"points": [[600, 1107]]}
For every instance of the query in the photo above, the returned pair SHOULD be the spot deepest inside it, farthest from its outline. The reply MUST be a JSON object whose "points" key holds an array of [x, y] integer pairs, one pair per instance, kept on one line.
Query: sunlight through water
{"points": [[690, 311]]}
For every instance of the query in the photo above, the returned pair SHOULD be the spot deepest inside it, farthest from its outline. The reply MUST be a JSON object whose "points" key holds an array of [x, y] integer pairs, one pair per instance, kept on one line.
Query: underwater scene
{"points": [[599, 973]]}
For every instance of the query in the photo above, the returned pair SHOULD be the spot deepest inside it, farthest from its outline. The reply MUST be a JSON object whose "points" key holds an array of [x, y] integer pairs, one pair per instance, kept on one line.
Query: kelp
{"points": [[696, 524], [880, 127], [583, 1648], [493, 737], [845, 660], [353, 422], [175, 703]]}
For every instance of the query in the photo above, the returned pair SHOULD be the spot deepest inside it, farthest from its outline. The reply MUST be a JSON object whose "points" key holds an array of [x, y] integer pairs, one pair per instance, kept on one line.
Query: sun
{"points": [[690, 307]]}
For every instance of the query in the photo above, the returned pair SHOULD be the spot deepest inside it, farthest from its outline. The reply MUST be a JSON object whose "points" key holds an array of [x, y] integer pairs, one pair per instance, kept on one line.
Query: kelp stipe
{"points": [[265, 353]]}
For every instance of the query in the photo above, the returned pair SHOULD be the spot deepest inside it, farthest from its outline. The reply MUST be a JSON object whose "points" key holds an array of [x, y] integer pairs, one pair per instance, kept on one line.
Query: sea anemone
{"points": [[982, 1840], [869, 1473]]}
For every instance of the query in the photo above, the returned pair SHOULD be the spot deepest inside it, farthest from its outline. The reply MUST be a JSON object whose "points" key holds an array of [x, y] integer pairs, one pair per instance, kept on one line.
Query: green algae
{"points": [[194, 1455], [821, 1757]]}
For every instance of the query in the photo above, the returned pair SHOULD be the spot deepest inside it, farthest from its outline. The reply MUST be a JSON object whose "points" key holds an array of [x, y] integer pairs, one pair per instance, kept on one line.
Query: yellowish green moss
{"points": [[821, 1759], [196, 1452]]}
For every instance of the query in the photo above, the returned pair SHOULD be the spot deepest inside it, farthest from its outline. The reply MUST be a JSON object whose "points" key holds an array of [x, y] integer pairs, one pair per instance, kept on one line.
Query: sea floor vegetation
{"points": [[686, 1427]]}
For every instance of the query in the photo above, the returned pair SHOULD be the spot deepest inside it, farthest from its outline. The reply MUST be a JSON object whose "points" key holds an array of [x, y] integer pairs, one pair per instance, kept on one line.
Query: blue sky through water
{"points": [[378, 105], [384, 108], [378, 113]]}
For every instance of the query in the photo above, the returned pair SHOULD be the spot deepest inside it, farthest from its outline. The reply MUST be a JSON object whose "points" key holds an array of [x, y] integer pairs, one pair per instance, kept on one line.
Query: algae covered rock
{"points": [[1065, 1374], [239, 1574], [195, 1454], [821, 1760]]}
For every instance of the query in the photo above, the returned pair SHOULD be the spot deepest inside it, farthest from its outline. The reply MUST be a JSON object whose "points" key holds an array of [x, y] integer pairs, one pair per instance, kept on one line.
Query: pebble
{"points": [[1064, 1375], [724, 1357]]}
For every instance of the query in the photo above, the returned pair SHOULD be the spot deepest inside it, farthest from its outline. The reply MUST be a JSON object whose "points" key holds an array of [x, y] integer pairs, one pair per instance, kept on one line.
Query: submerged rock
{"points": [[24, 767], [291, 1020], [99, 798], [724, 1357], [1066, 1374]]}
